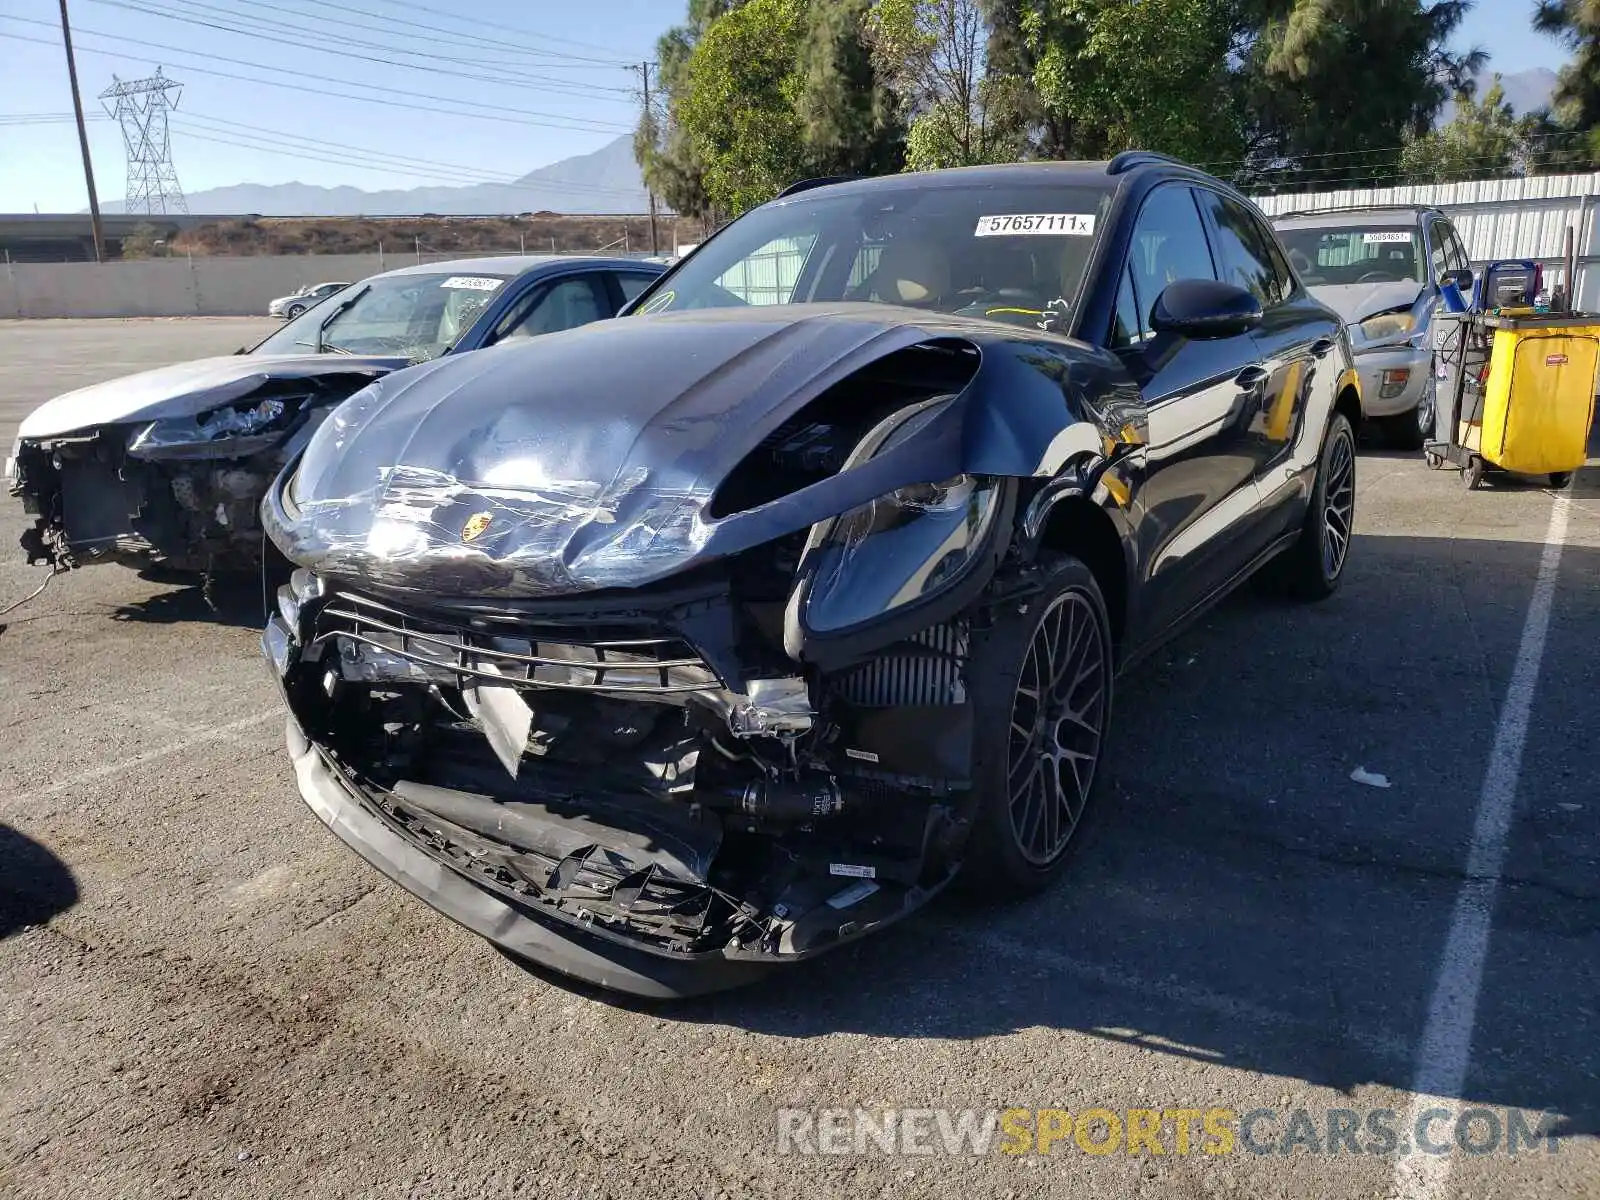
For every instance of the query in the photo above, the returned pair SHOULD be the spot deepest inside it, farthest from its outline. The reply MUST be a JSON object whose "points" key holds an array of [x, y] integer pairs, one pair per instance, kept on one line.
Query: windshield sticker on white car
{"points": [[1383, 236], [1047, 224], [476, 283]]}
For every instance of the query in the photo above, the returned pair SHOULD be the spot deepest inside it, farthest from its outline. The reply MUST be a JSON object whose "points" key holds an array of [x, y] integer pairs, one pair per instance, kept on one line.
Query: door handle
{"points": [[1251, 377], [1321, 346]]}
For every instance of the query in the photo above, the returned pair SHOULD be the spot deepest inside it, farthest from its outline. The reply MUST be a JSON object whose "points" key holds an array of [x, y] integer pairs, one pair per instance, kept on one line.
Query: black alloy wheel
{"points": [[1338, 504], [1057, 720], [1042, 675], [1313, 566]]}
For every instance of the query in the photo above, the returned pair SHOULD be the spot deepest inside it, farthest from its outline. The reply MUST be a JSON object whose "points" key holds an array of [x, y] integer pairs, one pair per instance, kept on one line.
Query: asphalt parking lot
{"points": [[202, 993]]}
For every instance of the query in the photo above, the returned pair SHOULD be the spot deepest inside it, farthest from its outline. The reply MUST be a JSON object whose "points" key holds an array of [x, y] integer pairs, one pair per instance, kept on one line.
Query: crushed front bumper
{"points": [[520, 931]]}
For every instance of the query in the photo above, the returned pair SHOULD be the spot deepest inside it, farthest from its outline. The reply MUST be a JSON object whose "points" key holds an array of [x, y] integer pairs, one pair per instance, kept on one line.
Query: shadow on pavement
{"points": [[1241, 901], [233, 600], [35, 885]]}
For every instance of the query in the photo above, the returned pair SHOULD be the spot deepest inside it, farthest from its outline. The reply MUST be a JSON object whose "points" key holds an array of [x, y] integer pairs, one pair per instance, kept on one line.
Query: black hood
{"points": [[588, 458]]}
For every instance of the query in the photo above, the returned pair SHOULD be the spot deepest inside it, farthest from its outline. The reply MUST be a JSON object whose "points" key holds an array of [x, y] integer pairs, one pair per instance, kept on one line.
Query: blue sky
{"points": [[471, 90]]}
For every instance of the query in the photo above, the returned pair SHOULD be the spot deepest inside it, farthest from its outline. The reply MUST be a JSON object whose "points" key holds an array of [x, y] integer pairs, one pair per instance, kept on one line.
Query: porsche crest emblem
{"points": [[476, 524]]}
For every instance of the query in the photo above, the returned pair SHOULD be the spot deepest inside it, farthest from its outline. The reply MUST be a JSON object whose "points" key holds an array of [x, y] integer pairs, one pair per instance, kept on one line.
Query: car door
{"points": [[1294, 342], [1199, 496]]}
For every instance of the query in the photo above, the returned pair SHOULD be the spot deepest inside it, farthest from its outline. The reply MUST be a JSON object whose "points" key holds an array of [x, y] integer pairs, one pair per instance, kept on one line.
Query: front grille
{"points": [[374, 638], [925, 669]]}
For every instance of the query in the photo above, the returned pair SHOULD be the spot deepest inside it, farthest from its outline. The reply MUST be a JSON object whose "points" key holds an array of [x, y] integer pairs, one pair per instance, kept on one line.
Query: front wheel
{"points": [[295, 310], [1313, 567], [1042, 678]]}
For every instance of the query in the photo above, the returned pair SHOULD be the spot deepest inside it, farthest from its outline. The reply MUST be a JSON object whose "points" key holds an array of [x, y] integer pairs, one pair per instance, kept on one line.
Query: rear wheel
{"points": [[1042, 685], [1313, 567]]}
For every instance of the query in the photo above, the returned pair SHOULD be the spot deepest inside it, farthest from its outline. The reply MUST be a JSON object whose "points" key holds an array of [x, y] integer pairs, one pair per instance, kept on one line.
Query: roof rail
{"points": [[805, 185], [1139, 158], [1351, 208]]}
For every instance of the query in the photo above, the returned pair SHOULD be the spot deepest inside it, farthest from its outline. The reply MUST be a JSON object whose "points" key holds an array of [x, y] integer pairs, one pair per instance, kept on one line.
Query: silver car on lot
{"points": [[291, 306], [1381, 269]]}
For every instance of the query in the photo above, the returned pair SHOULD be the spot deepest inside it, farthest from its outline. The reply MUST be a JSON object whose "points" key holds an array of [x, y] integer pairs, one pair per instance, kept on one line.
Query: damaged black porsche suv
{"points": [[671, 648]]}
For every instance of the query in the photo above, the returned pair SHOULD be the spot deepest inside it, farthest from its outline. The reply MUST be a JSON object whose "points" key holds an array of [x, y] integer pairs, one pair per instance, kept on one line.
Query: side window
{"points": [[632, 283], [1168, 244], [771, 273], [1438, 262], [1127, 326], [1454, 252], [1250, 257], [565, 304]]}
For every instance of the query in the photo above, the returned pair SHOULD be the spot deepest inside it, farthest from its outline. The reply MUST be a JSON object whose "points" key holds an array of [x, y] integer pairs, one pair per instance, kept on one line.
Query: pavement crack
{"points": [[343, 907]]}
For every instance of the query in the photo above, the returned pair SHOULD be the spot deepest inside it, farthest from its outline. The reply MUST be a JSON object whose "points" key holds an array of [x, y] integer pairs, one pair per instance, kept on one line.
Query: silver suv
{"points": [[1380, 269]]}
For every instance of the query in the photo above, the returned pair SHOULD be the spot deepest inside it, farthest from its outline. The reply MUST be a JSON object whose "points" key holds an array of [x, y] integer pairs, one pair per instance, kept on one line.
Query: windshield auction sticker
{"points": [[1382, 236], [1046, 224], [476, 283]]}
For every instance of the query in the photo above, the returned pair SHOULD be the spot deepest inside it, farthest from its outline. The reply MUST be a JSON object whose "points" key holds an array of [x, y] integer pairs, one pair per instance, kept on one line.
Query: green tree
{"points": [[1332, 88], [666, 153], [1019, 126], [1149, 74], [848, 118], [739, 105], [1576, 25], [1484, 137], [931, 54]]}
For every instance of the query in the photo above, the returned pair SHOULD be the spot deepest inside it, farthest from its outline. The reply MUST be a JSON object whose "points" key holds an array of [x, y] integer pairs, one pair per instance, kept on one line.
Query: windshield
{"points": [[1009, 253], [1370, 254], [413, 316]]}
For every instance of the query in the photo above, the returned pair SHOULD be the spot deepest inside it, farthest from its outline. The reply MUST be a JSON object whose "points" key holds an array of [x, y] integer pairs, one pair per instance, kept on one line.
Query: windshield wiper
{"points": [[338, 310]]}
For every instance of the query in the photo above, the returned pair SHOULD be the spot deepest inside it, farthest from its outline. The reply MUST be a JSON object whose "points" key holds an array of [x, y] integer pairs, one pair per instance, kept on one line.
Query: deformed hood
{"points": [[589, 458], [1355, 302], [187, 389]]}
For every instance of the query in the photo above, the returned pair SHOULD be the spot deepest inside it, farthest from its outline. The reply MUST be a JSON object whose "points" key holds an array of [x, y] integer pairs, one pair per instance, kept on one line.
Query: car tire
{"points": [[1560, 479], [1313, 567], [293, 311], [1027, 819]]}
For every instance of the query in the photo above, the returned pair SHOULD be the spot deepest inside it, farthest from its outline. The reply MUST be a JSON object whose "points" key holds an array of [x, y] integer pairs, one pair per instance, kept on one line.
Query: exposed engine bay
{"points": [[181, 492], [653, 763], [696, 670]]}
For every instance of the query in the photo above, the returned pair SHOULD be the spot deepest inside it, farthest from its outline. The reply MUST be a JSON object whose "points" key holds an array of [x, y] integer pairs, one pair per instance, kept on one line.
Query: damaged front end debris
{"points": [[180, 491]]}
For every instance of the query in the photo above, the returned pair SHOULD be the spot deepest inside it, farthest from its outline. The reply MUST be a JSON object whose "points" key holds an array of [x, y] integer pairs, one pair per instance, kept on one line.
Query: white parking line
{"points": [[1447, 1036], [218, 733]]}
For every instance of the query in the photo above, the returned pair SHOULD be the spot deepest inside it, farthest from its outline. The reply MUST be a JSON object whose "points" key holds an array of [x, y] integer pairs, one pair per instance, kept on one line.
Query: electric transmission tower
{"points": [[141, 109]]}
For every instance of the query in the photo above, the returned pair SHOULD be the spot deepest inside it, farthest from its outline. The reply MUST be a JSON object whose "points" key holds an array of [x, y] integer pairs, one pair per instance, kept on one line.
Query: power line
{"points": [[516, 116], [479, 45], [300, 44], [492, 25]]}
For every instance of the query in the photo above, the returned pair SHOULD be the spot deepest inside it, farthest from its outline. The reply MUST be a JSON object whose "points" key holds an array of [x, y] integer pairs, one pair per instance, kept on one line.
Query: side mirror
{"points": [[1204, 308], [1462, 278]]}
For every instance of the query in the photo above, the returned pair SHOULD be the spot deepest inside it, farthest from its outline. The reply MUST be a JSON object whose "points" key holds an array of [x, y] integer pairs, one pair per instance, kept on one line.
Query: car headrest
{"points": [[912, 272]]}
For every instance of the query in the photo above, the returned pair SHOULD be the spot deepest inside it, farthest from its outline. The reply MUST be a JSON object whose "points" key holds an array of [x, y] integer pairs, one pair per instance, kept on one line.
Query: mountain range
{"points": [[1525, 90], [605, 181]]}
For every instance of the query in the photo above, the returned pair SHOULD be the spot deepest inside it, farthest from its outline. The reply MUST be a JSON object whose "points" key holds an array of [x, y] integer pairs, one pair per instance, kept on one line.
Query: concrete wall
{"points": [[177, 287]]}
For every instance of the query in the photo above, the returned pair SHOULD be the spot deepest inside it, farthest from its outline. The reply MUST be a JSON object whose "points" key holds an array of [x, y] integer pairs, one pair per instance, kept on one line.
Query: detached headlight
{"points": [[197, 437], [1388, 325], [903, 547]]}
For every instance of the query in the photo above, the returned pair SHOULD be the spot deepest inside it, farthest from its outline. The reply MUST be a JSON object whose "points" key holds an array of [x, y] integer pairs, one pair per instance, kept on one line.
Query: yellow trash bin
{"points": [[1538, 402]]}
